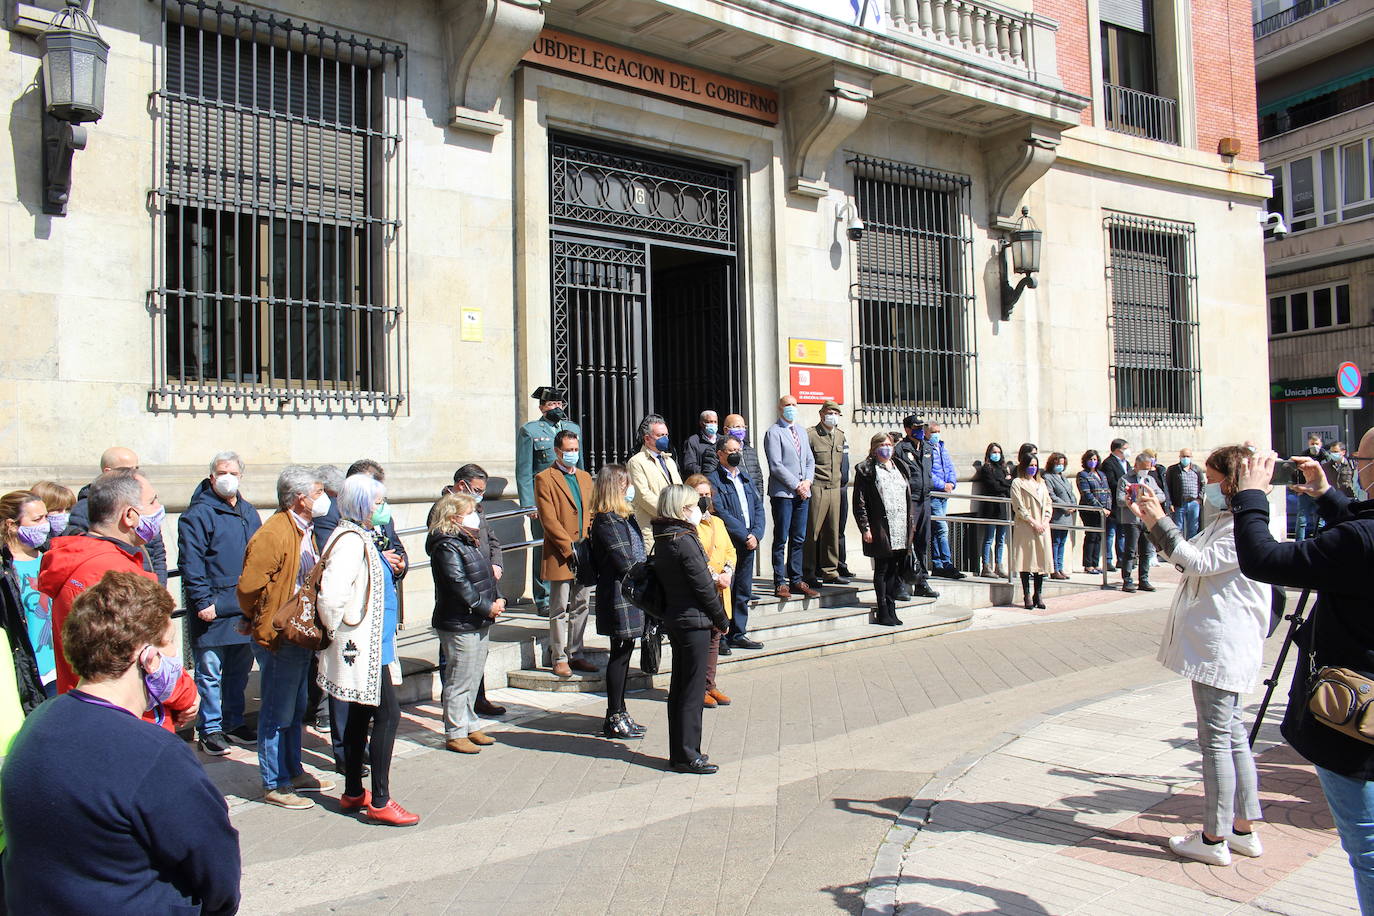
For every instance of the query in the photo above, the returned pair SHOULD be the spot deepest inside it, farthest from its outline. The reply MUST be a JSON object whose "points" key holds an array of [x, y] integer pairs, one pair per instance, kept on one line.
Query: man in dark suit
{"points": [[1116, 466], [738, 505], [914, 453]]}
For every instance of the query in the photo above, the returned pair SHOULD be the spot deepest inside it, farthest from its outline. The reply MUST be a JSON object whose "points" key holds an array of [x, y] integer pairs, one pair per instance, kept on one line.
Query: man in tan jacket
{"points": [[279, 557], [651, 469], [563, 495]]}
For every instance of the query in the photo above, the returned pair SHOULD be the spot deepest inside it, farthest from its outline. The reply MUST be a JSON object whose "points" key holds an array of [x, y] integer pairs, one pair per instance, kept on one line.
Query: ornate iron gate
{"points": [[619, 352]]}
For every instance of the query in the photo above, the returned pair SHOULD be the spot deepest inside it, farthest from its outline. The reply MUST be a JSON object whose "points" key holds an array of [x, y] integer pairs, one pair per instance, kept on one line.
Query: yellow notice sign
{"points": [[470, 324], [814, 352]]}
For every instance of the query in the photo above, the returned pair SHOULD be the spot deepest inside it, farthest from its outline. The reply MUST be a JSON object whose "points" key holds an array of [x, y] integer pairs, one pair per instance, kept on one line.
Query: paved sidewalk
{"points": [[1073, 815]]}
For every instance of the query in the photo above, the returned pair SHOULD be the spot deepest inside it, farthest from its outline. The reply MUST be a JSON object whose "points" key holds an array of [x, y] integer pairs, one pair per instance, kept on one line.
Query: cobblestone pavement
{"points": [[818, 759], [1074, 815]]}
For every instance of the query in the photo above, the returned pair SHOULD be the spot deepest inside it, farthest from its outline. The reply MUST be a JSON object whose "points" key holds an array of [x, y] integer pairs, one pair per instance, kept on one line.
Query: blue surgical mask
{"points": [[662, 443], [934, 437], [919, 435], [1059, 468], [789, 413], [570, 458], [630, 493], [1215, 498], [995, 456], [1185, 461], [711, 429]]}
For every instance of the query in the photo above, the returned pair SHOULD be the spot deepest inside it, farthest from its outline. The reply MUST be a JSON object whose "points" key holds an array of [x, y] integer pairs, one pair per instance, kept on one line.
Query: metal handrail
{"points": [[1284, 18]]}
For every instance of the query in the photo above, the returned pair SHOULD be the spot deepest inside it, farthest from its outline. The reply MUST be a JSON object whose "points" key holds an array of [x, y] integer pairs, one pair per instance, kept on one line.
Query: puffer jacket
{"points": [[464, 584], [691, 601]]}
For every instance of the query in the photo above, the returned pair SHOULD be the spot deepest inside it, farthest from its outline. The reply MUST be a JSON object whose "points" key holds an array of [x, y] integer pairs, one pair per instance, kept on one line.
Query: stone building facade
{"points": [[312, 230]]}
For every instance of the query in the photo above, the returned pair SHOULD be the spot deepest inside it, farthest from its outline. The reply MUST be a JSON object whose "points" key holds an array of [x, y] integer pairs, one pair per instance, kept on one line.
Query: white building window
{"points": [[1313, 309], [1325, 186]]}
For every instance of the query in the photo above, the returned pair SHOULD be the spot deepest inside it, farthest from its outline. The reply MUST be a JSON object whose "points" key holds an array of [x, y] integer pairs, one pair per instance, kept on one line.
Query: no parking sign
{"points": [[1348, 379]]}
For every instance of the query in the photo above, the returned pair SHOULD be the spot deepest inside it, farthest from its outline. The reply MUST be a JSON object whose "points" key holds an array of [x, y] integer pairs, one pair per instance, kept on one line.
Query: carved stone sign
{"points": [[587, 57]]}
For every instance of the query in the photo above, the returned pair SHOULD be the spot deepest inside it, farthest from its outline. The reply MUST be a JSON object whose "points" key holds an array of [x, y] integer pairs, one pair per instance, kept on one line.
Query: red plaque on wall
{"points": [[817, 384]]}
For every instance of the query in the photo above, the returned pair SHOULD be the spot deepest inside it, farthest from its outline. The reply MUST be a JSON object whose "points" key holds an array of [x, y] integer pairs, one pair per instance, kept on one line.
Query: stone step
{"points": [[919, 622]]}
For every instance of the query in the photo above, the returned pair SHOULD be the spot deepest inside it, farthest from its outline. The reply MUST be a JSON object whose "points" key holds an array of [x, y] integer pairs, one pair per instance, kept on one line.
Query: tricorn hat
{"points": [[548, 393]]}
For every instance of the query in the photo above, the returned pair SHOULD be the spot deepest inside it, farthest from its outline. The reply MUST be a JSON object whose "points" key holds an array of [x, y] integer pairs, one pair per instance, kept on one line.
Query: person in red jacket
{"points": [[125, 515]]}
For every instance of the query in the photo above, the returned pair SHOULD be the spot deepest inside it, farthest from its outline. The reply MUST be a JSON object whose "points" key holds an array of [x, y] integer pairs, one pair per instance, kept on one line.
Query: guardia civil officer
{"points": [[534, 452], [824, 522]]}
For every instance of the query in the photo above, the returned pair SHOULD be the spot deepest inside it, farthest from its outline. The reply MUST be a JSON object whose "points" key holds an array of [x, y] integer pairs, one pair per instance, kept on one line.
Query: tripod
{"points": [[1295, 620]]}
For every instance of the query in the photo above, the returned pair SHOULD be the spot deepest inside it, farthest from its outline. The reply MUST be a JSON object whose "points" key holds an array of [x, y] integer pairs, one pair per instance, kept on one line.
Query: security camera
{"points": [[1274, 222], [854, 229]]}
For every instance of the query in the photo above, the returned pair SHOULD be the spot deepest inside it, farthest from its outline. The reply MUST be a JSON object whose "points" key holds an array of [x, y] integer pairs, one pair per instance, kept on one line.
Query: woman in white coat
{"points": [[1215, 638], [358, 607], [1031, 507]]}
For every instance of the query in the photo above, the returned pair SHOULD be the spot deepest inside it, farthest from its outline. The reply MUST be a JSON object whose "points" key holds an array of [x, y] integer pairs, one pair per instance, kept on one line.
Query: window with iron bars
{"points": [[281, 268], [917, 343], [1152, 279]]}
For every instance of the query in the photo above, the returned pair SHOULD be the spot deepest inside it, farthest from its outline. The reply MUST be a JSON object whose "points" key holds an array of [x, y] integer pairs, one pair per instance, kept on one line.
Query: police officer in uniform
{"points": [[533, 453], [825, 523], [915, 454]]}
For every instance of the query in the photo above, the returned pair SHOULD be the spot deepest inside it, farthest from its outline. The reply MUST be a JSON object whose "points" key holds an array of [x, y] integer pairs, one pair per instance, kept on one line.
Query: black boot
{"points": [[1025, 591], [1039, 584], [617, 726]]}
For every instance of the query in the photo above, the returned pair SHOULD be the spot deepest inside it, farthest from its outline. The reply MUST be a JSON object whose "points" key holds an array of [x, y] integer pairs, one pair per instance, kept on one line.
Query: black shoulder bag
{"points": [[642, 588]]}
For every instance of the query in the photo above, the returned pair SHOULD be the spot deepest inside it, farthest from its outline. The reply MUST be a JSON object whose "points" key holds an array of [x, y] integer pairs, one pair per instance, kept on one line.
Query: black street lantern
{"points": [[1024, 244], [73, 58]]}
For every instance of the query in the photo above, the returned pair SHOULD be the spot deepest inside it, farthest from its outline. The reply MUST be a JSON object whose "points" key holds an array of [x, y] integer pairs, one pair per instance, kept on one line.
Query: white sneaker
{"points": [[1194, 847], [1248, 845]]}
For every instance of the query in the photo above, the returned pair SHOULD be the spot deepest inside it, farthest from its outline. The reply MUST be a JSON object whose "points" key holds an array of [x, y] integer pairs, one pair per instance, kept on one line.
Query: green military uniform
{"points": [[824, 524], [534, 452]]}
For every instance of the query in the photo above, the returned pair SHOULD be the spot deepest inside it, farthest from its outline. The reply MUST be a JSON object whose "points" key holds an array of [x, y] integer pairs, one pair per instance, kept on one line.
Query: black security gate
{"points": [[645, 292]]}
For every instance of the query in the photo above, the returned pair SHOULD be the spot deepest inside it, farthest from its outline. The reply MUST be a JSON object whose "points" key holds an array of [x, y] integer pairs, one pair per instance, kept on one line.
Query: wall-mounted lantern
{"points": [[73, 61], [1024, 244]]}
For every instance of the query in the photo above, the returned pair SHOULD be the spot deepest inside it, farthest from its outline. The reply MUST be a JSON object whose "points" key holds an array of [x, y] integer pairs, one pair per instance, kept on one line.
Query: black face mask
{"points": [[704, 504], [734, 459], [555, 415]]}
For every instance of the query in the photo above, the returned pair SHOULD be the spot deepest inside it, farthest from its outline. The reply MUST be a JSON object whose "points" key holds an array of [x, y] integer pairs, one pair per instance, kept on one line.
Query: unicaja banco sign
{"points": [[586, 57]]}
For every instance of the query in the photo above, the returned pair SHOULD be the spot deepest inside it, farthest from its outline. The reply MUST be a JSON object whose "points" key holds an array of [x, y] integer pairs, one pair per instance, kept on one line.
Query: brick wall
{"points": [[1071, 44], [1224, 75]]}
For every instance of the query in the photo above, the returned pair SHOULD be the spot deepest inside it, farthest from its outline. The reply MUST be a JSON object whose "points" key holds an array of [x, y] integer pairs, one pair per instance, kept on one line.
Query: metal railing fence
{"points": [[1141, 114]]}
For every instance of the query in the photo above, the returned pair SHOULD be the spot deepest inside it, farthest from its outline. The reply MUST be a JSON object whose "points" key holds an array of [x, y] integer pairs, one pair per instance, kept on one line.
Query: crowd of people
{"points": [[90, 633]]}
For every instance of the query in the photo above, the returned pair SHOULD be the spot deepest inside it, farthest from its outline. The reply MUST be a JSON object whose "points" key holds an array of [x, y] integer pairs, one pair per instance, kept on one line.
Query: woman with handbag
{"points": [[882, 512], [616, 545], [1030, 535], [1338, 634], [466, 604], [1214, 637], [357, 607], [720, 559], [691, 611]]}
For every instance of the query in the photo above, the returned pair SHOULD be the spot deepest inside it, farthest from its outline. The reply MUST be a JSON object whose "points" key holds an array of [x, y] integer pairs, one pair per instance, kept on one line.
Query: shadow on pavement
{"points": [[580, 745], [850, 898], [882, 808]]}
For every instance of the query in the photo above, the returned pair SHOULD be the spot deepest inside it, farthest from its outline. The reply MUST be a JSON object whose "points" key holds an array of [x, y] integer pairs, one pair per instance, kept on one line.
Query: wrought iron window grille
{"points": [[279, 275], [1156, 370], [917, 346]]}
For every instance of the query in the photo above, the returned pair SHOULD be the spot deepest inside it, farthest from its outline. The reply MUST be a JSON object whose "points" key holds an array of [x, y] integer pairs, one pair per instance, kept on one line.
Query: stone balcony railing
{"points": [[981, 29]]}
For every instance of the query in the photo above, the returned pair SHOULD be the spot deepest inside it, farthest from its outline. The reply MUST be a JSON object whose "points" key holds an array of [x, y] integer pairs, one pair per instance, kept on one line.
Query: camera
{"points": [[1274, 222], [854, 229], [1286, 473]]}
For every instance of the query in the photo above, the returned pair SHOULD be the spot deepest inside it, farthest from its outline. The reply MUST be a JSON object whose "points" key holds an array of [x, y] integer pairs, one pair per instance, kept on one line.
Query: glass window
{"points": [[1354, 173], [1328, 186], [1299, 319], [1303, 191], [1342, 304], [1321, 307], [1278, 315], [1276, 202]]}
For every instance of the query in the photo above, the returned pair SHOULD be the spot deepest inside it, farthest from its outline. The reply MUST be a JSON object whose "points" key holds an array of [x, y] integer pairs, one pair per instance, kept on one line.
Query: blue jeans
{"points": [[990, 533], [1352, 808], [789, 538], [1057, 540], [285, 673], [1307, 517], [1188, 518], [1112, 548], [939, 534], [221, 678]]}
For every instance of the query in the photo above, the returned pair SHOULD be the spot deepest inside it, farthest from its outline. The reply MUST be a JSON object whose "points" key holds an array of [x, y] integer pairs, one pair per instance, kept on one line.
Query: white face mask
{"points": [[471, 520], [321, 507], [832, 420], [693, 516], [225, 485], [1215, 498], [629, 493]]}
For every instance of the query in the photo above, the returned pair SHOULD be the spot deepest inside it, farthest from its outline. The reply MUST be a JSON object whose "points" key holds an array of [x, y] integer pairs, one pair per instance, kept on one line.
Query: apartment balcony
{"points": [[975, 67], [1310, 32], [1140, 114]]}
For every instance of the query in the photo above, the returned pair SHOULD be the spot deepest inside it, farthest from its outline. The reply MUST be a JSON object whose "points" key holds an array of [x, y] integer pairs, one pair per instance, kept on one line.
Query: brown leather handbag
{"points": [[1340, 698], [298, 620]]}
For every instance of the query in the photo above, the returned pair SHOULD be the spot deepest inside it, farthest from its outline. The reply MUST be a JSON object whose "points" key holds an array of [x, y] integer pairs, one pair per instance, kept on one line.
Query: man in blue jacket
{"points": [[739, 507], [943, 478], [791, 469], [212, 536]]}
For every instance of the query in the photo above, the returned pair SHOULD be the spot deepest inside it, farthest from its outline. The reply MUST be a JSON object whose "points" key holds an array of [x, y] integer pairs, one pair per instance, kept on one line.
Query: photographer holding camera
{"points": [[1338, 633]]}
